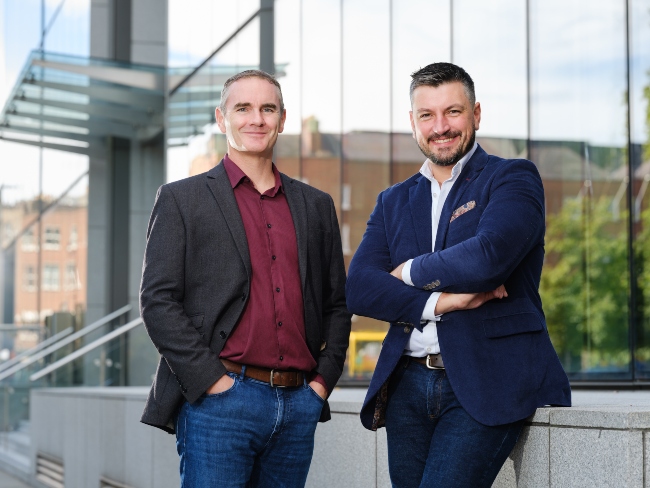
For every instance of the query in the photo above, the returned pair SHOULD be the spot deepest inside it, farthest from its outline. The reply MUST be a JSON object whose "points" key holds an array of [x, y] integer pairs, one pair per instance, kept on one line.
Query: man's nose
{"points": [[257, 119], [440, 125]]}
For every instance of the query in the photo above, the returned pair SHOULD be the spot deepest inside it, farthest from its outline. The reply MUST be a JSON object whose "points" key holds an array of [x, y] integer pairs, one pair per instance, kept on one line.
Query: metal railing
{"points": [[28, 360], [87, 348], [19, 357]]}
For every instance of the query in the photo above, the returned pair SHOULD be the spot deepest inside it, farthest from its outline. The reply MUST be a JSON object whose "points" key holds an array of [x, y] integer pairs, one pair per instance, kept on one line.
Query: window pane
{"points": [[578, 117], [640, 156], [413, 48], [366, 147]]}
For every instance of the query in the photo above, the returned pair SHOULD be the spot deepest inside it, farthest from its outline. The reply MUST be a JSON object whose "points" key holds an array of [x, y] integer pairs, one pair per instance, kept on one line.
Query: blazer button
{"points": [[407, 329], [222, 334], [243, 297]]}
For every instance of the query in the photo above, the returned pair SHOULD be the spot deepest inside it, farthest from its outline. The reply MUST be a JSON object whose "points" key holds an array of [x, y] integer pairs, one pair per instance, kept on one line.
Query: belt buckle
{"points": [[431, 366], [271, 382]]}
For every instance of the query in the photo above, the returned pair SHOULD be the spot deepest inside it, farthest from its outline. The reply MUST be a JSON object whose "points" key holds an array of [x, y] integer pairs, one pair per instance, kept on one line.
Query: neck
{"points": [[258, 168], [441, 173]]}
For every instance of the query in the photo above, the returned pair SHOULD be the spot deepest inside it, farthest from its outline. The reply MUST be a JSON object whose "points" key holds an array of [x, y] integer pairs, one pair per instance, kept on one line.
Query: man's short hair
{"points": [[249, 73], [437, 74]]}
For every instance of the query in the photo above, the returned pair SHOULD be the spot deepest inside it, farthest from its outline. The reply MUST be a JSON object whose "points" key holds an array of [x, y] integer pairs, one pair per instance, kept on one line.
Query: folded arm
{"points": [[510, 226], [371, 290]]}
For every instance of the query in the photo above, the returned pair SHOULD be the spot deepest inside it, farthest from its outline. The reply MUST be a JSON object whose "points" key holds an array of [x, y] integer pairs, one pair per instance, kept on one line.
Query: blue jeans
{"points": [[252, 435], [433, 441]]}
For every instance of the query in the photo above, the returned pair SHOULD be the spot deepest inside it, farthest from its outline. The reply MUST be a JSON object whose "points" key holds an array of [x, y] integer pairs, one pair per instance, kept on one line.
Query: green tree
{"points": [[585, 285]]}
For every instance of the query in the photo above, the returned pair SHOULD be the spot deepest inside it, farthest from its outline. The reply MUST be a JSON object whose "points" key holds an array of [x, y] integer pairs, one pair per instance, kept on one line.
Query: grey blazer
{"points": [[196, 279]]}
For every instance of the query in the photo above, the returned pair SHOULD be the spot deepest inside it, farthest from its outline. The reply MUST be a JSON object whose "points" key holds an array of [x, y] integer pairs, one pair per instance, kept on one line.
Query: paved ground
{"points": [[7, 481]]}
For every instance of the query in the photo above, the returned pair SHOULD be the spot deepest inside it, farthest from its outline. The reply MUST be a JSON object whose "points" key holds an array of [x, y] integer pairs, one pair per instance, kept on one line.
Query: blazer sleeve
{"points": [[511, 225], [371, 290], [336, 318], [162, 292]]}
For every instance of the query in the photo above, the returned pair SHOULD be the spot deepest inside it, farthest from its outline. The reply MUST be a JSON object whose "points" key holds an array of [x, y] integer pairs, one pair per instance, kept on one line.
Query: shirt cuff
{"points": [[406, 272], [430, 308], [319, 379]]}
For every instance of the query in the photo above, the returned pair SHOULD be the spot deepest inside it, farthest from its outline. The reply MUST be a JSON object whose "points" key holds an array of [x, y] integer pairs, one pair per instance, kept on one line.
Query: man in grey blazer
{"points": [[243, 296]]}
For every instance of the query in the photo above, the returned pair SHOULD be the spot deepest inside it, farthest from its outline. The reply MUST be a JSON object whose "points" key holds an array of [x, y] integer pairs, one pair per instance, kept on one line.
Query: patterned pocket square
{"points": [[462, 209]]}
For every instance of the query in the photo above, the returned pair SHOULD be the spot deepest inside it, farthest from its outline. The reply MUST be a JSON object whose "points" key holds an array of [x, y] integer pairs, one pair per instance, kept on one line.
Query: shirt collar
{"points": [[236, 176], [425, 170]]}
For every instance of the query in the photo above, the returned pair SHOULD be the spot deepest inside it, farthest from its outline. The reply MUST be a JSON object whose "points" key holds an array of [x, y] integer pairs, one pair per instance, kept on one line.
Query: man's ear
{"points": [[412, 123], [477, 115], [283, 117], [221, 122]]}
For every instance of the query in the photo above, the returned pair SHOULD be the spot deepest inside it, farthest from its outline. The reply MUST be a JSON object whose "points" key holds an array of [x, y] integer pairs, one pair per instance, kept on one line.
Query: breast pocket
{"points": [[463, 226]]}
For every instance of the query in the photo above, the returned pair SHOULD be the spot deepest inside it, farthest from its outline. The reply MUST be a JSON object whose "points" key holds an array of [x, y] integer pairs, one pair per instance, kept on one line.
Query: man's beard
{"points": [[452, 158]]}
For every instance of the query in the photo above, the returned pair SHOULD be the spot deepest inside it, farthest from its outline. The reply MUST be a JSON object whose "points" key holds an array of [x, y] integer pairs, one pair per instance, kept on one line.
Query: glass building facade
{"points": [[570, 92]]}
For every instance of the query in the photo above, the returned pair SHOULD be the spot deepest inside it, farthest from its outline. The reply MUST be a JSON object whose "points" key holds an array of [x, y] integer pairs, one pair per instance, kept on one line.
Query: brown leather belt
{"points": [[431, 361], [274, 377]]}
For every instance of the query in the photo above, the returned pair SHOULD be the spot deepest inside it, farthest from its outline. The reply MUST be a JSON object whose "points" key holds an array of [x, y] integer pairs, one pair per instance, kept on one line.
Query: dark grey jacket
{"points": [[196, 279]]}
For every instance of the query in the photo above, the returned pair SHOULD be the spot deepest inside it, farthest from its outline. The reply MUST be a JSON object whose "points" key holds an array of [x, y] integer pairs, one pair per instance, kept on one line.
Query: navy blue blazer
{"points": [[499, 357]]}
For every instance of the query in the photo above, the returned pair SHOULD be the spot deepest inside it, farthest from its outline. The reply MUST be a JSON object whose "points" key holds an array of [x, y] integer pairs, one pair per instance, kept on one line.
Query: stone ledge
{"points": [[601, 441]]}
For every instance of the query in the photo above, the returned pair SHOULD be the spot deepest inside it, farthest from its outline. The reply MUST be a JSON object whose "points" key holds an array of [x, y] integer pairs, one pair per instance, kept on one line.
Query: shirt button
{"points": [[435, 195], [262, 197], [278, 290], [273, 258], [281, 358], [268, 225], [428, 349], [279, 324]]}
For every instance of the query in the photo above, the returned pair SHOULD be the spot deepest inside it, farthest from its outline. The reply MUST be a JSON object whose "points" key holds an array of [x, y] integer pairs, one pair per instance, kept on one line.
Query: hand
{"points": [[319, 389], [397, 272], [449, 302], [222, 384]]}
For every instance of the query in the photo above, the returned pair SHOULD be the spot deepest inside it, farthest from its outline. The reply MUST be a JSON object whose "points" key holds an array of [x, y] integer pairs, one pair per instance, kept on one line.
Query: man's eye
{"points": [[424, 116], [241, 109]]}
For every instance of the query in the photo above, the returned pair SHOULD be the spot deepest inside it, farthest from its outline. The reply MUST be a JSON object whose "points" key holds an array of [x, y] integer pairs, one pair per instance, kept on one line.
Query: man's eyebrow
{"points": [[453, 105], [270, 105], [241, 105]]}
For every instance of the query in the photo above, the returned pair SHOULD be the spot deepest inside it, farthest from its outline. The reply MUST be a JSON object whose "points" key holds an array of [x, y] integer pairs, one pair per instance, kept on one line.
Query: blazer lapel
{"points": [[219, 185], [298, 208], [420, 203], [471, 170]]}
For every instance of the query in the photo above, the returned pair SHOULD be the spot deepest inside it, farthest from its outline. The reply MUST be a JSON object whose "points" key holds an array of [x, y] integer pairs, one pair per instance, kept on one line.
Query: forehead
{"points": [[442, 95], [253, 90]]}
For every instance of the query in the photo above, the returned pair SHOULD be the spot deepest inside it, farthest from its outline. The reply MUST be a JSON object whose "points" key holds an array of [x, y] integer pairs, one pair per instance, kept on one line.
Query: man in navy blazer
{"points": [[452, 258]]}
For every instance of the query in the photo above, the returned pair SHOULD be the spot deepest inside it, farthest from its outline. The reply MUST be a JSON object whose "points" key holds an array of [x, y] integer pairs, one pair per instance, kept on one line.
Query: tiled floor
{"points": [[7, 481]]}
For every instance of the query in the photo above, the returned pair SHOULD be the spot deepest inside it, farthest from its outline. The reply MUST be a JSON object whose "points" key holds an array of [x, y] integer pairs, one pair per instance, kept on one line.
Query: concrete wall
{"points": [[602, 441]]}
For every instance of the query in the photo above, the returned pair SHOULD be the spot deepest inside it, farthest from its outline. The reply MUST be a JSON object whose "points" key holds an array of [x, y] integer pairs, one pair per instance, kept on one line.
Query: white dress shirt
{"points": [[426, 342]]}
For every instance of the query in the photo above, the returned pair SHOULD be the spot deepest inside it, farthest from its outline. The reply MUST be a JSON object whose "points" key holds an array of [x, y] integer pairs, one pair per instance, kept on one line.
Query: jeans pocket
{"points": [[224, 392], [313, 392]]}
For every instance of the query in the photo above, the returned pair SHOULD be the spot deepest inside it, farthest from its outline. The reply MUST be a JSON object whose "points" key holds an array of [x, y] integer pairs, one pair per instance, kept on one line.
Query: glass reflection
{"points": [[640, 160], [498, 68], [320, 98], [366, 148], [287, 55], [578, 118], [411, 49]]}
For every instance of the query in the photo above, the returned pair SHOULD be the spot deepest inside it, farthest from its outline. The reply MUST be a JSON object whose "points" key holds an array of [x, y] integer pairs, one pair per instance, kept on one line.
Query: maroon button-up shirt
{"points": [[271, 331]]}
